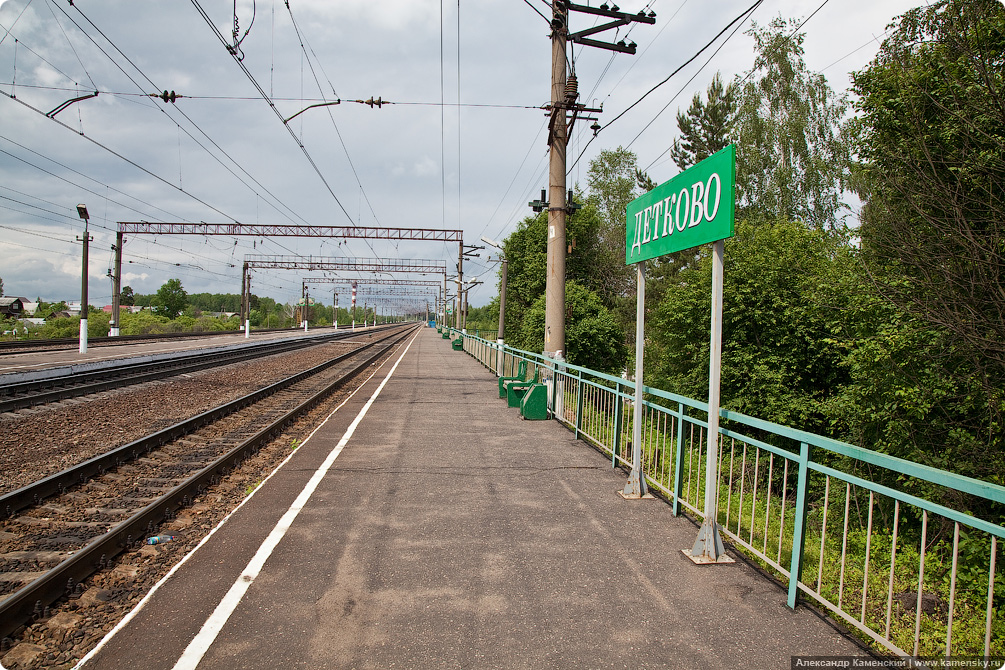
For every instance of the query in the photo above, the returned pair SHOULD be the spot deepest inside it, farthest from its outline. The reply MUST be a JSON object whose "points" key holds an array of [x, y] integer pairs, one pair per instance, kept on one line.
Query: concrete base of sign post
{"points": [[635, 496], [708, 547]]}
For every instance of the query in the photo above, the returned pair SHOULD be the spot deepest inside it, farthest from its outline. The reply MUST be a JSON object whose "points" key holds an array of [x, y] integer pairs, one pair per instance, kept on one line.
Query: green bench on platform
{"points": [[521, 375], [516, 389]]}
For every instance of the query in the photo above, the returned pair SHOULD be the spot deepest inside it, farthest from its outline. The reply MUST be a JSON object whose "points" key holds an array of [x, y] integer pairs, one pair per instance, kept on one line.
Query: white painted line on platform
{"points": [[142, 603], [198, 647]]}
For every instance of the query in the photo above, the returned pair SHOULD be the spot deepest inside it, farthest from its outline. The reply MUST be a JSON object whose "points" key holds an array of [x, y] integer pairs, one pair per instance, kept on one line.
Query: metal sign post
{"points": [[708, 546], [695, 207], [636, 486]]}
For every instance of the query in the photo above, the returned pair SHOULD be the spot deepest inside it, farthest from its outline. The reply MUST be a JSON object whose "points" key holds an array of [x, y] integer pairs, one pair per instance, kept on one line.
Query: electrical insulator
{"points": [[571, 88]]}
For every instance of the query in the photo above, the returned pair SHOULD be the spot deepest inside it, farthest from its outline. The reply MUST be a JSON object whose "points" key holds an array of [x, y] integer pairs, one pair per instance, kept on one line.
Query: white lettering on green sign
{"points": [[685, 211]]}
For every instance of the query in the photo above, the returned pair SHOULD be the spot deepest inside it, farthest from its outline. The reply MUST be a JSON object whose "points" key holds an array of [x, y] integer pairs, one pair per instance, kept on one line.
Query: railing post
{"points": [[619, 424], [678, 479], [799, 528], [579, 401]]}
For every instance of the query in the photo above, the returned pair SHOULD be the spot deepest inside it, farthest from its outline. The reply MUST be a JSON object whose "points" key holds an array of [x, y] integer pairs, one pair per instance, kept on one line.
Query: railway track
{"points": [[24, 394], [54, 344], [58, 531]]}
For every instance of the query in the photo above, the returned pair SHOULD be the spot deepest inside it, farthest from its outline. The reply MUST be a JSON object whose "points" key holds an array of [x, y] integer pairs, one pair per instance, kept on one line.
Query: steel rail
{"points": [[28, 601], [32, 393], [26, 346]]}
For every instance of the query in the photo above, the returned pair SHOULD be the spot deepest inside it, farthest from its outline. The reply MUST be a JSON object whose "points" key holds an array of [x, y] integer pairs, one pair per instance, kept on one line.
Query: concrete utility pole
{"points": [[554, 301], [460, 279], [113, 327], [246, 300], [82, 212]]}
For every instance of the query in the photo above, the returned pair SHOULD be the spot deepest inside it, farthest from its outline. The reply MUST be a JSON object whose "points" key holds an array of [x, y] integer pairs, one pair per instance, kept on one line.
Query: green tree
{"points": [[780, 357], [793, 155], [171, 299], [612, 185], [43, 309], [932, 106], [707, 127], [527, 254], [126, 296], [593, 338]]}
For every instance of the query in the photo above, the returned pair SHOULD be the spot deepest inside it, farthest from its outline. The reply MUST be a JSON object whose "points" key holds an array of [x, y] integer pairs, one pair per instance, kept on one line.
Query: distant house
{"points": [[132, 309], [11, 307], [59, 315]]}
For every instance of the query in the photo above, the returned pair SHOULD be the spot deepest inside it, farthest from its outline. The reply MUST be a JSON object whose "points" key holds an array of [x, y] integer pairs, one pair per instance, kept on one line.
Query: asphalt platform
{"points": [[449, 533]]}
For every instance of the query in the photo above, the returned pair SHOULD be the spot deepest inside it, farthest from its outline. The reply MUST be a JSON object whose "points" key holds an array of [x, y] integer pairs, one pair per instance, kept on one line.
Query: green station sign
{"points": [[695, 207]]}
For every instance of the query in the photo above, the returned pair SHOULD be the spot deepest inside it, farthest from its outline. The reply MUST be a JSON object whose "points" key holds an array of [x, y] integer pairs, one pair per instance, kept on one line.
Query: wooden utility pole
{"points": [[564, 95], [554, 314]]}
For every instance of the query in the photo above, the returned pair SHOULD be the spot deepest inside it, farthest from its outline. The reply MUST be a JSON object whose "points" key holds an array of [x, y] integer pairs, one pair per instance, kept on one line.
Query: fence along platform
{"points": [[450, 533], [912, 573]]}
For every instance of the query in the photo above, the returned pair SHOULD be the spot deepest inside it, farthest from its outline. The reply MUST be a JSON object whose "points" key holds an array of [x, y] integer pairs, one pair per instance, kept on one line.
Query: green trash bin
{"points": [[458, 344]]}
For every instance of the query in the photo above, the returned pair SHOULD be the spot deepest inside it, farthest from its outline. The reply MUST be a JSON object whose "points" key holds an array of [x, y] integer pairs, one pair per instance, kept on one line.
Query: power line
{"points": [[684, 87], [547, 20], [791, 35], [670, 76], [118, 155], [65, 167], [272, 105], [193, 123], [855, 51], [544, 125]]}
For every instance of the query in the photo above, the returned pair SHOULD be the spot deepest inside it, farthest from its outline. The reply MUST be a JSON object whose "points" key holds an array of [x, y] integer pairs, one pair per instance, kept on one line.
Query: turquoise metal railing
{"points": [[914, 572]]}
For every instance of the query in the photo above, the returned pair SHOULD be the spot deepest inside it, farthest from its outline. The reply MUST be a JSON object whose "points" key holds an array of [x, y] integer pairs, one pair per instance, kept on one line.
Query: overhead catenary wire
{"points": [[690, 60], [7, 30], [42, 58], [359, 101], [81, 133], [684, 87], [303, 39], [184, 115], [443, 167], [70, 43], [272, 105], [65, 167], [120, 156]]}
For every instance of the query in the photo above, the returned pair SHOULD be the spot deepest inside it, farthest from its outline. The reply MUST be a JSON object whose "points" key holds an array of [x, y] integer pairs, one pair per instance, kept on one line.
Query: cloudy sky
{"points": [[221, 154]]}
